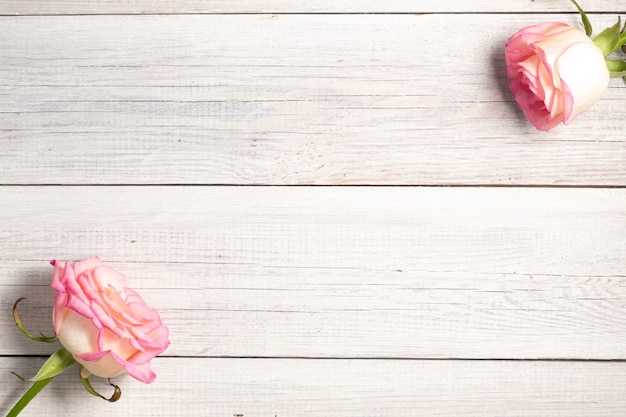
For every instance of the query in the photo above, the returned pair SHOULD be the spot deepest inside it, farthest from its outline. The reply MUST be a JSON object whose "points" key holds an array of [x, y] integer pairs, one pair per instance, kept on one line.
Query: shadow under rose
{"points": [[19, 353]]}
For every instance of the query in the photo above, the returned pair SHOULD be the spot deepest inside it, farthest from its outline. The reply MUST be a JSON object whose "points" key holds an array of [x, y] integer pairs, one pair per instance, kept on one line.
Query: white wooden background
{"points": [[336, 206]]}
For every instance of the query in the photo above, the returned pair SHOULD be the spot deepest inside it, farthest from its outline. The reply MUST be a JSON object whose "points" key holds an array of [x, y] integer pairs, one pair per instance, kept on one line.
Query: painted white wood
{"points": [[339, 271], [306, 312], [351, 388], [55, 7], [314, 301], [291, 99]]}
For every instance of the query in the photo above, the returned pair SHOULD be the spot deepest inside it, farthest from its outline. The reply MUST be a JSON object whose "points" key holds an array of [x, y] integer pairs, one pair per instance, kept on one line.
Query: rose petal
{"points": [[141, 372], [106, 326]]}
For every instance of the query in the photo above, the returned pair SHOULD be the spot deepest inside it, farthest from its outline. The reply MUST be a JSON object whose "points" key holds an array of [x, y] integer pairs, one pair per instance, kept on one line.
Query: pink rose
{"points": [[105, 325], [556, 73]]}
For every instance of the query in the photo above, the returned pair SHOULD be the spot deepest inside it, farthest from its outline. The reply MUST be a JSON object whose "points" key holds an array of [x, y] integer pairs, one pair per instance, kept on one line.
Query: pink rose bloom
{"points": [[106, 326], [556, 73]]}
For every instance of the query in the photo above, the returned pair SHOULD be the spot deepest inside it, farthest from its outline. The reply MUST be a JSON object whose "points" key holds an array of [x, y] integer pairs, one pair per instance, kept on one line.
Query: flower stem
{"points": [[56, 363], [28, 396]]}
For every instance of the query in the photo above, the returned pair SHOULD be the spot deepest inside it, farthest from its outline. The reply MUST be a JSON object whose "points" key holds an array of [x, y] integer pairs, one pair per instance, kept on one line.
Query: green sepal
{"points": [[616, 65], [58, 362], [609, 39], [117, 392], [585, 19], [617, 68], [28, 396], [18, 322], [622, 38]]}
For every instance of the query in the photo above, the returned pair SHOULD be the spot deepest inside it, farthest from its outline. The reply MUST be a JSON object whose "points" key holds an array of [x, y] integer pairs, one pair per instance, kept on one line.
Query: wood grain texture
{"points": [[56, 7], [359, 388], [363, 301], [235, 311], [339, 271], [295, 99], [527, 230]]}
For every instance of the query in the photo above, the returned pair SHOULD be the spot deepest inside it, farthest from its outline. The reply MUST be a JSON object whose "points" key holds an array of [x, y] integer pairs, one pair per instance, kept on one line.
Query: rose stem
{"points": [[29, 395]]}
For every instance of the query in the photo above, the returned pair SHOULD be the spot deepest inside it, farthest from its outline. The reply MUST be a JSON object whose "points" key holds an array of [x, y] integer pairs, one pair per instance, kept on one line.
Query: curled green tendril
{"points": [[18, 322], [117, 392]]}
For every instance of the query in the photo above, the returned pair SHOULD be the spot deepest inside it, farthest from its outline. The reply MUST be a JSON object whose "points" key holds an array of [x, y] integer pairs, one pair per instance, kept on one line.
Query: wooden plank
{"points": [[293, 99], [359, 388], [56, 7], [241, 311], [338, 271]]}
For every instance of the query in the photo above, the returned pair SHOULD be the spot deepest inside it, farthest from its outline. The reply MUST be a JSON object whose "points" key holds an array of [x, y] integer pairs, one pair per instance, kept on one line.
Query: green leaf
{"points": [[609, 39], [583, 16], [28, 396], [117, 392], [58, 362], [18, 322]]}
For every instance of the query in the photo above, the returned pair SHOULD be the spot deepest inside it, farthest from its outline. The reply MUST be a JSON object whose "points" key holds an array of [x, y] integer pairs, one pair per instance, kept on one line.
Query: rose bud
{"points": [[105, 325], [556, 73]]}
